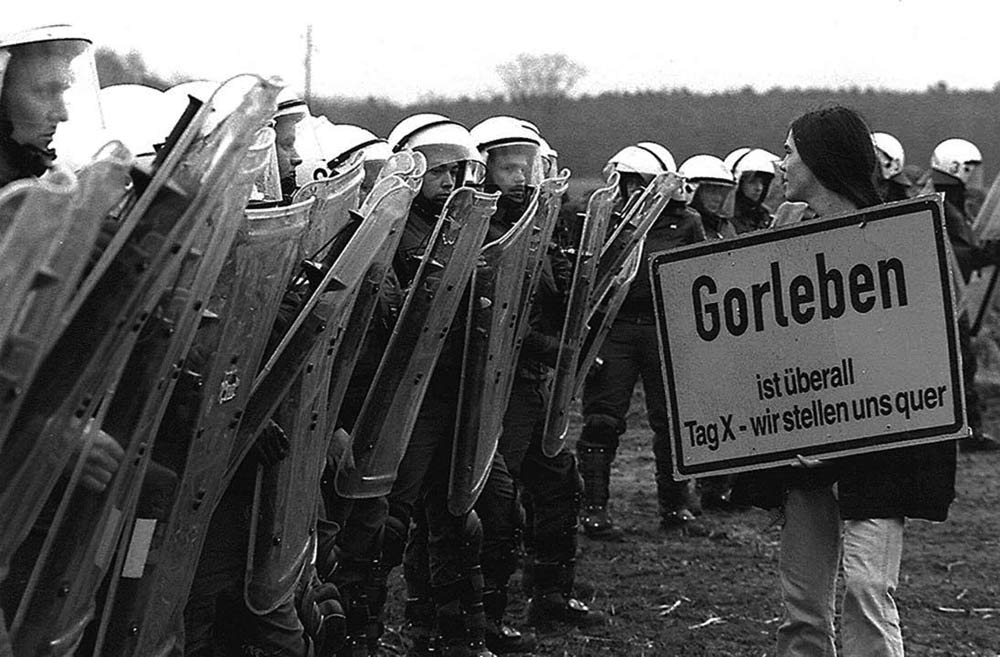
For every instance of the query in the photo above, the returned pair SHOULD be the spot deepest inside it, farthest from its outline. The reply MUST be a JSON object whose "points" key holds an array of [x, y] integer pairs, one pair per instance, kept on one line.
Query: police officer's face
{"points": [[752, 186], [510, 171], [284, 142], [713, 197], [798, 180], [34, 97], [885, 163], [439, 182]]}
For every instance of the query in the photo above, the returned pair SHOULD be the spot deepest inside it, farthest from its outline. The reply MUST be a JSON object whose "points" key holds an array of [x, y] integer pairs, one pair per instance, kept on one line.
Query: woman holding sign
{"points": [[849, 510]]}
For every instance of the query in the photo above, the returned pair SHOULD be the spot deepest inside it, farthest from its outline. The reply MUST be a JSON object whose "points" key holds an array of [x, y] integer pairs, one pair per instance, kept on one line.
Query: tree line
{"points": [[587, 130]]}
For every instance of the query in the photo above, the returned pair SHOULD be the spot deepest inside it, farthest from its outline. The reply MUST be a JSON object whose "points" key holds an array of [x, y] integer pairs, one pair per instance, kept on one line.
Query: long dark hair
{"points": [[836, 144]]}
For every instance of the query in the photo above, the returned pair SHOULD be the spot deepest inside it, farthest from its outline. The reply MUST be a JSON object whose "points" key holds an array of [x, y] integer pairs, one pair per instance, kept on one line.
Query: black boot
{"points": [[419, 615], [376, 593], [502, 638], [595, 467], [475, 614], [353, 577], [553, 602], [458, 633]]}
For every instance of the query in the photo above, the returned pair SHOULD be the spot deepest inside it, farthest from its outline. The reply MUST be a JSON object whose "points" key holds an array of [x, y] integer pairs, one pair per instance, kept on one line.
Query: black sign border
{"points": [[930, 203]]}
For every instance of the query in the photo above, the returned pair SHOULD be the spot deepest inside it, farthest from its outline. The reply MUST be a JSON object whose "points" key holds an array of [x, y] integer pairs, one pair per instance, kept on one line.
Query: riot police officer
{"points": [[713, 184], [631, 352], [291, 111], [50, 79], [420, 489], [894, 184], [953, 164], [549, 486], [753, 169], [217, 592]]}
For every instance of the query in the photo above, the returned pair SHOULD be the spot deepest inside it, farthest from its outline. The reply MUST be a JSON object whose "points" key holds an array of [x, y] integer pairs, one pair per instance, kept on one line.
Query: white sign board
{"points": [[824, 338]]}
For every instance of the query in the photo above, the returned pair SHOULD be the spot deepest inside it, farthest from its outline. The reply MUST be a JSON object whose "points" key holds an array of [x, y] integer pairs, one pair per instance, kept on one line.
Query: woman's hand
{"points": [[806, 462]]}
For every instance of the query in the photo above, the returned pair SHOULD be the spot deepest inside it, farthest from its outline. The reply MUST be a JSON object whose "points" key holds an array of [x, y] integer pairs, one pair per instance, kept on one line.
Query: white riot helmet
{"points": [[890, 153], [512, 151], [752, 167], [341, 141], [647, 159], [291, 104], [550, 156], [956, 157], [550, 159], [706, 168], [703, 169], [731, 159], [755, 160], [49, 100], [289, 118], [441, 141], [139, 116], [310, 151], [225, 98]]}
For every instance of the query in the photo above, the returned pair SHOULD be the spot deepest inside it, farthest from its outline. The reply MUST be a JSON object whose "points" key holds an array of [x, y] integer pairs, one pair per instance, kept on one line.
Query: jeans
{"points": [[814, 542]]}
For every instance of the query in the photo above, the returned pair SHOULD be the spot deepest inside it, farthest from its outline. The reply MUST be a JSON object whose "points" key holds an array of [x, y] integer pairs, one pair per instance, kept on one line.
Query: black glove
{"points": [[272, 445]]}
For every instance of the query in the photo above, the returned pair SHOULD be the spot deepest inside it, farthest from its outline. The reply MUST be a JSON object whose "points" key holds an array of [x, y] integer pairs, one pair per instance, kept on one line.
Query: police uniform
{"points": [[420, 490], [750, 215], [971, 255], [549, 485], [631, 352]]}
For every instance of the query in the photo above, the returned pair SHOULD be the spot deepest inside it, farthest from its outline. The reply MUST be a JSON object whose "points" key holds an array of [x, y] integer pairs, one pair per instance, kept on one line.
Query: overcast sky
{"points": [[408, 50]]}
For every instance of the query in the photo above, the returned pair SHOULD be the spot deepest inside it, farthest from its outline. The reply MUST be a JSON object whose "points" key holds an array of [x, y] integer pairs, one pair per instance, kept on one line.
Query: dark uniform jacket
{"points": [[676, 226], [749, 215], [548, 306]]}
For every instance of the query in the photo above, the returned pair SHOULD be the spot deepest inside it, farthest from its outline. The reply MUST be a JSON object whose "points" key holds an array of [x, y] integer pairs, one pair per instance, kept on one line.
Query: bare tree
{"points": [[551, 75]]}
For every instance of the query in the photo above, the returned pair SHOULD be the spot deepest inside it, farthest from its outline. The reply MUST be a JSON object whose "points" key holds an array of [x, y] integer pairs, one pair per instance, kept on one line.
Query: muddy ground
{"points": [[716, 595]]}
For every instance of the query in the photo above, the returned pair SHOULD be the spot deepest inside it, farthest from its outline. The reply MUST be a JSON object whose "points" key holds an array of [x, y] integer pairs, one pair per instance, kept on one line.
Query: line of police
{"points": [[363, 450]]}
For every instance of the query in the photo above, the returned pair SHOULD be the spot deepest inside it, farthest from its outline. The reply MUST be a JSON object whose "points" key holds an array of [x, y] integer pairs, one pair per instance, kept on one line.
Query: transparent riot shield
{"points": [[604, 316], [986, 225], [387, 204], [286, 498], [50, 266], [383, 427], [494, 310], [34, 217], [198, 431], [331, 213], [552, 190], [573, 331], [631, 231], [346, 275], [83, 540], [74, 393]]}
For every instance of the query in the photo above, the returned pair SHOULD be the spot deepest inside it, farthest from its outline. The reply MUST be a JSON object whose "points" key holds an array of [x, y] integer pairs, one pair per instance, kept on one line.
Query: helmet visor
{"points": [[512, 168], [471, 170], [49, 98]]}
